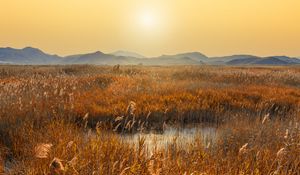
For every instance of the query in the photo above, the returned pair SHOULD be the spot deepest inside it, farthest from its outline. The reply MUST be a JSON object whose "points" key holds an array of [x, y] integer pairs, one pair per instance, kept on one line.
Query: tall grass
{"points": [[67, 119]]}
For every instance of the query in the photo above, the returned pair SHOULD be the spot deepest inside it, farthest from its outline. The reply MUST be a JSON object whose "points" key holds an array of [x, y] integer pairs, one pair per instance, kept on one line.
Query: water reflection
{"points": [[181, 136]]}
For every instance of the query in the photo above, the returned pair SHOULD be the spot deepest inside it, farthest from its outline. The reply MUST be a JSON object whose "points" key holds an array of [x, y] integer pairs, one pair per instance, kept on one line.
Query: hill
{"points": [[27, 55], [127, 54], [34, 56]]}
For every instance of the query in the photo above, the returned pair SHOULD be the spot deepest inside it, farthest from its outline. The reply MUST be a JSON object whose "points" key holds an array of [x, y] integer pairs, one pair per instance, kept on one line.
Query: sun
{"points": [[148, 19], [146, 25]]}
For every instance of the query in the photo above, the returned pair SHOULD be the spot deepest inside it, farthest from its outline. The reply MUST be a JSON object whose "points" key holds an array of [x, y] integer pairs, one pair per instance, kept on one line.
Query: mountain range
{"points": [[34, 56]]}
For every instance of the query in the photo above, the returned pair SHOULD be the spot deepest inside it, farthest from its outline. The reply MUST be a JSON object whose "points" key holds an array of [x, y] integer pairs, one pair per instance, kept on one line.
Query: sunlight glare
{"points": [[148, 19]]}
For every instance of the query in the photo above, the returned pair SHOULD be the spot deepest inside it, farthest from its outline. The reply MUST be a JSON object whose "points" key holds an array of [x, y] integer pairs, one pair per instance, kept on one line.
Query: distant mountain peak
{"points": [[98, 52], [192, 53], [187, 54], [127, 54], [196, 56], [32, 50], [27, 55], [93, 54]]}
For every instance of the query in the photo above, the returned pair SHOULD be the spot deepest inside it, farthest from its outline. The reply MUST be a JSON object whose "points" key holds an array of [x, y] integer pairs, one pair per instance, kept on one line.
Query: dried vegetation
{"points": [[69, 119]]}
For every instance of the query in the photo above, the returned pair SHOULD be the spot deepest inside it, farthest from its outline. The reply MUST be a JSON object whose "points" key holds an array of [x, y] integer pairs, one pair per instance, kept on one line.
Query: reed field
{"points": [[73, 119]]}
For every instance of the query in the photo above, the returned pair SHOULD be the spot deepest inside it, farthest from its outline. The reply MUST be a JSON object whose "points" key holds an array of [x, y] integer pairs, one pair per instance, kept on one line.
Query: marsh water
{"points": [[182, 136]]}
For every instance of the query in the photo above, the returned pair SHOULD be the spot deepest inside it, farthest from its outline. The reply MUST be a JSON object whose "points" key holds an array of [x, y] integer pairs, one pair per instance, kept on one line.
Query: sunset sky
{"points": [[153, 27]]}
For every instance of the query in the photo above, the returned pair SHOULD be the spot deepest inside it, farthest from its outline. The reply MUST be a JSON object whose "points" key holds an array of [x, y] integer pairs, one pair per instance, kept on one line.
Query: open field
{"points": [[78, 114]]}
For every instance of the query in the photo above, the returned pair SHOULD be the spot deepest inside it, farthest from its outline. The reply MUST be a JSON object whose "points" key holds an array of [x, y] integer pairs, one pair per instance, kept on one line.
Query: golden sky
{"points": [[153, 27]]}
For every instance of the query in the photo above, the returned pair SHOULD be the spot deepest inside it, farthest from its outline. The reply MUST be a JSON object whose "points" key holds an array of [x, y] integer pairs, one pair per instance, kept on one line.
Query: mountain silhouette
{"points": [[35, 56], [27, 55], [127, 54]]}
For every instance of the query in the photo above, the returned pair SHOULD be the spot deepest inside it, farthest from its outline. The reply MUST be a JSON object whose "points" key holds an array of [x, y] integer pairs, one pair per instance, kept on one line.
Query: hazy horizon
{"points": [[146, 56], [153, 28]]}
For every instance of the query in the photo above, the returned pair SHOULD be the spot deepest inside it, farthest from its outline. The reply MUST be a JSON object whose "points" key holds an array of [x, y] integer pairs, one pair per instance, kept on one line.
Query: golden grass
{"points": [[66, 119]]}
